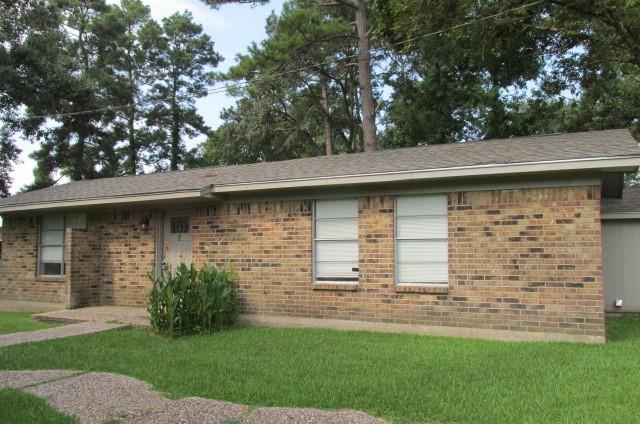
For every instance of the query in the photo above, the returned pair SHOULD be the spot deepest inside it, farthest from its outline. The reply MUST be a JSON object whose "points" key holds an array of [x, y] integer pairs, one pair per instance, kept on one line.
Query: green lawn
{"points": [[19, 407], [404, 378], [12, 322]]}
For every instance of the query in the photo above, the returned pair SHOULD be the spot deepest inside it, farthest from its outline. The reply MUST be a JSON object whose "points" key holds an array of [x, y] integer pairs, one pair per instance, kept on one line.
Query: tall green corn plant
{"points": [[172, 301], [189, 301], [217, 298]]}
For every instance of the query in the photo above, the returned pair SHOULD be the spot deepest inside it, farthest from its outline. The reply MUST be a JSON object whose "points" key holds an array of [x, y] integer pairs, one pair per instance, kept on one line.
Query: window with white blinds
{"points": [[421, 239], [336, 240], [51, 258]]}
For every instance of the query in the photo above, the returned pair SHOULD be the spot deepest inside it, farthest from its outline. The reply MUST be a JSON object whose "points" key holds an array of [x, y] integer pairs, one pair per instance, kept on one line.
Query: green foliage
{"points": [[281, 115], [183, 58], [191, 301], [558, 66], [8, 156], [126, 71], [137, 79]]}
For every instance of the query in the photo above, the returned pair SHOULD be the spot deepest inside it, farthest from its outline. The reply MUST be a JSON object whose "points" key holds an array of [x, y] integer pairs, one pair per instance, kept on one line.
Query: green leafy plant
{"points": [[188, 300]]}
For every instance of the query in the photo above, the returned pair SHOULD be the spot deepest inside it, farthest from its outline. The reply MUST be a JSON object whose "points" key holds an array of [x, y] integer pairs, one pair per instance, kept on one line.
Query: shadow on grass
{"points": [[623, 328]]}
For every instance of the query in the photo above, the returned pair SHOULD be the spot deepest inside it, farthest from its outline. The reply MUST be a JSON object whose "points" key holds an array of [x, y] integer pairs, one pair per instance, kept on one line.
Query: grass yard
{"points": [[12, 322], [403, 378], [19, 407]]}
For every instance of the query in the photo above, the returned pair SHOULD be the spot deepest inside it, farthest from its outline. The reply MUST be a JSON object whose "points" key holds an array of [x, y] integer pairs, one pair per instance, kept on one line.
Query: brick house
{"points": [[498, 238]]}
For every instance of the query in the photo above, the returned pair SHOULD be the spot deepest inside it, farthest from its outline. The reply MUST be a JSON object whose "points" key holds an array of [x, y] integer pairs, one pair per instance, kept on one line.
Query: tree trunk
{"points": [[364, 76], [327, 123], [133, 148], [78, 158], [175, 133], [131, 118]]}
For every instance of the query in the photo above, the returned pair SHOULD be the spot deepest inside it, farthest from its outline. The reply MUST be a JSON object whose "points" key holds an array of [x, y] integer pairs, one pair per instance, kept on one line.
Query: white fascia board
{"points": [[620, 215], [621, 164], [103, 201]]}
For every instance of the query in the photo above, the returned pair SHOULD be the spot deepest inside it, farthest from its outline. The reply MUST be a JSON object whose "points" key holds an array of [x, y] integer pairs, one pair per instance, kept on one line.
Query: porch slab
{"points": [[28, 306], [133, 316]]}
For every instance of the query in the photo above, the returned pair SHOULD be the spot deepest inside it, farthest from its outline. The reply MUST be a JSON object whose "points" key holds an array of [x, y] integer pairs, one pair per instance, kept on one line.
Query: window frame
{"points": [[314, 241], [40, 265], [187, 222], [396, 263]]}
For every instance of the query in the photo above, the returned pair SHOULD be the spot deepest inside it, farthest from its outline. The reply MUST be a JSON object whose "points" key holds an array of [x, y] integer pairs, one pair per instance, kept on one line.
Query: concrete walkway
{"points": [[57, 332], [99, 397], [135, 317]]}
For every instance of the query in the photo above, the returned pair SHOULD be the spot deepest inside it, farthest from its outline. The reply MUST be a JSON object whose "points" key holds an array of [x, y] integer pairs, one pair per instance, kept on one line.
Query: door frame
{"points": [[159, 258], [161, 216]]}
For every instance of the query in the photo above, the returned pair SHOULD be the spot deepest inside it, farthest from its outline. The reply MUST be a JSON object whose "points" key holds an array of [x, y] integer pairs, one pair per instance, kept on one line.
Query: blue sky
{"points": [[232, 28]]}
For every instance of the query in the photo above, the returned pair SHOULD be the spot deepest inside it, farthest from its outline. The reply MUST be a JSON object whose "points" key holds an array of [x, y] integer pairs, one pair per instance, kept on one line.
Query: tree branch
{"points": [[349, 3]]}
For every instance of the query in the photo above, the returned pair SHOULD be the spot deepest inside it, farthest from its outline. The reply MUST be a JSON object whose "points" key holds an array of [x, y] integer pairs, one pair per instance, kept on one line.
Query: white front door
{"points": [[177, 239]]}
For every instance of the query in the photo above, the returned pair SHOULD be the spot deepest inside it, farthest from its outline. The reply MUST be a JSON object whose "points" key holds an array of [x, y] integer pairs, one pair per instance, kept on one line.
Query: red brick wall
{"points": [[18, 265], [83, 268], [270, 246], [525, 259], [528, 259], [126, 256], [107, 263]]}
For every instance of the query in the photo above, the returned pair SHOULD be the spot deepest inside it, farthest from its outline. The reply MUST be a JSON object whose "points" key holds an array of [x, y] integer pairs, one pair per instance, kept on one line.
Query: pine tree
{"points": [[182, 59]]}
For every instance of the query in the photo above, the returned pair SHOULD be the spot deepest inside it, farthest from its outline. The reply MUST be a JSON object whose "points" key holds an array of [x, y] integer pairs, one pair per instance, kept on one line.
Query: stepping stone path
{"points": [[57, 332], [98, 397]]}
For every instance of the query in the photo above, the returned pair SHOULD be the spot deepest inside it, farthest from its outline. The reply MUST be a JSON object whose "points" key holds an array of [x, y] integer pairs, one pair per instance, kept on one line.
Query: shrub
{"points": [[190, 301]]}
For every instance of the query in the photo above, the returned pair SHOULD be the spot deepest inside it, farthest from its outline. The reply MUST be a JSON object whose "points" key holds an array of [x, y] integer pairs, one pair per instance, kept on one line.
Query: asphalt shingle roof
{"points": [[584, 145], [630, 202]]}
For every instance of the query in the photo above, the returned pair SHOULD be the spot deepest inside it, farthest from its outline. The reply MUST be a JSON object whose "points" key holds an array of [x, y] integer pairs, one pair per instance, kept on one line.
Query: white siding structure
{"points": [[621, 264]]}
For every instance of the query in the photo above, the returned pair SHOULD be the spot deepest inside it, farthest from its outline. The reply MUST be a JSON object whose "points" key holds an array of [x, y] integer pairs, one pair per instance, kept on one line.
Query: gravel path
{"points": [[57, 332], [192, 410], [309, 416], [99, 397]]}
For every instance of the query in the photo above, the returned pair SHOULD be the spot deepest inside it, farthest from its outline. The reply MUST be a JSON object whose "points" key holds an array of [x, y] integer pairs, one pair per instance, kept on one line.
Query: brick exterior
{"points": [[127, 256], [82, 266], [108, 263], [18, 265], [526, 260]]}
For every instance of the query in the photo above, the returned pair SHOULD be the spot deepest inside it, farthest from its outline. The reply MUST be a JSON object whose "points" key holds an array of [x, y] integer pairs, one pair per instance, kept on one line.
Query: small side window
{"points": [[51, 254]]}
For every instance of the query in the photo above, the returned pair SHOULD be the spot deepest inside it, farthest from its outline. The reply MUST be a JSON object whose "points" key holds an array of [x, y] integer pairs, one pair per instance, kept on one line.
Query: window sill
{"points": [[422, 288], [335, 286], [51, 278]]}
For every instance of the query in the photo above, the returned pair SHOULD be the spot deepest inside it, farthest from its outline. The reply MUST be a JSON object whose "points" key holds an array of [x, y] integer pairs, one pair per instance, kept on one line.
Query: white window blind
{"points": [[51, 258], [336, 240], [421, 239]]}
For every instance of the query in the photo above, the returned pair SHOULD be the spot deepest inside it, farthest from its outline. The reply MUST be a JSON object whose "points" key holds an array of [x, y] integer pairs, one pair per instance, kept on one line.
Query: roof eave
{"points": [[606, 164], [103, 201]]}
